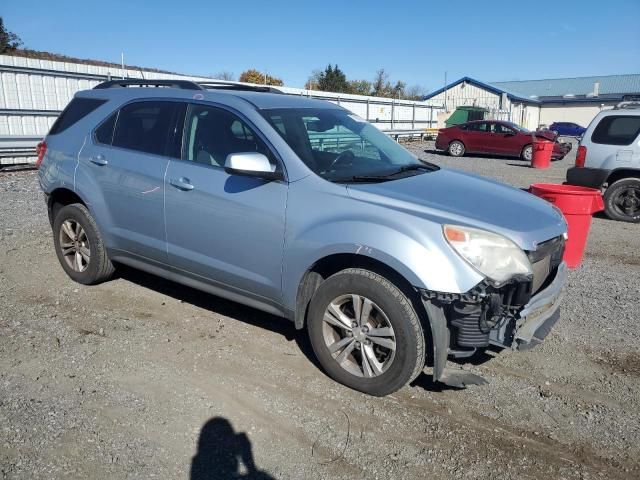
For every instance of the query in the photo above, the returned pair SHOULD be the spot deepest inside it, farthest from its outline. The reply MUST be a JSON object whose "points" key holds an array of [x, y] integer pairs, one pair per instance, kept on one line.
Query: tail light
{"points": [[41, 149], [581, 156]]}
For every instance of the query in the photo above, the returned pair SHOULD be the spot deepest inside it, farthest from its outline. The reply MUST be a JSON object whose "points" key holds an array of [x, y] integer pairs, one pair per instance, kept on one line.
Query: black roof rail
{"points": [[238, 86], [181, 84]]}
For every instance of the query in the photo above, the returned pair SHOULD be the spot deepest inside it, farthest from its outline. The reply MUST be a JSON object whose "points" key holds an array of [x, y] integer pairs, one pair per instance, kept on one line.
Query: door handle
{"points": [[181, 183], [98, 160]]}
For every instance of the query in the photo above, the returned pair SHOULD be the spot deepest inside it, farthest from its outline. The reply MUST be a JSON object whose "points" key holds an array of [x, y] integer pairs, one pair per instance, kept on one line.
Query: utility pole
{"points": [[445, 90], [122, 64]]}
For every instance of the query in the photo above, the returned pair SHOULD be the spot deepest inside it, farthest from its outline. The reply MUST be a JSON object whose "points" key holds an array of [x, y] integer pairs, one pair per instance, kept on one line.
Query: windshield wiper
{"points": [[384, 177], [418, 166], [362, 179]]}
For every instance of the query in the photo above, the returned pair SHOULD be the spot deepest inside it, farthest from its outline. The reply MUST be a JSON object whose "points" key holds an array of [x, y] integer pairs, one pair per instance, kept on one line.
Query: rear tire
{"points": [[377, 352], [622, 200], [527, 153], [456, 148], [79, 246]]}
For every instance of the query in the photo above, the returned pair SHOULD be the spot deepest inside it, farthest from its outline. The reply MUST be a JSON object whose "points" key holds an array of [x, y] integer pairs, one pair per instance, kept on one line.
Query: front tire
{"points": [[456, 148], [79, 246], [527, 153], [622, 200], [365, 332]]}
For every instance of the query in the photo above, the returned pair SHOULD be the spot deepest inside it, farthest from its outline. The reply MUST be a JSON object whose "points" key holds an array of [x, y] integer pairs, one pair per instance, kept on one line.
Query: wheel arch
{"points": [[59, 198], [622, 173], [334, 263]]}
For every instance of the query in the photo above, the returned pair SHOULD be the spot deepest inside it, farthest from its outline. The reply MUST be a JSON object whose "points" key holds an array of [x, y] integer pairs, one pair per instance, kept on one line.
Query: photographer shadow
{"points": [[222, 452]]}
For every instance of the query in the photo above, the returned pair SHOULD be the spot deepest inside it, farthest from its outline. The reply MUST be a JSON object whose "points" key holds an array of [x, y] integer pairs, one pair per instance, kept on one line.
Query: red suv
{"points": [[496, 138]]}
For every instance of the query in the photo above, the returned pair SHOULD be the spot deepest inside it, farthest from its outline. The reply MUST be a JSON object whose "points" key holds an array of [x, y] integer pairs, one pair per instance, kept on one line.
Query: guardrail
{"points": [[18, 150]]}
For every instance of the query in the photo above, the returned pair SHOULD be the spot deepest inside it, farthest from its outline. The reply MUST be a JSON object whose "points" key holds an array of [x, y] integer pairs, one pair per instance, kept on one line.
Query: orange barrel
{"points": [[542, 150], [577, 204]]}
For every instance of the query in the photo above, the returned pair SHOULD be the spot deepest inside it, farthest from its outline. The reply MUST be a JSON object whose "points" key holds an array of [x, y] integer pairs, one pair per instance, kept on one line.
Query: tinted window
{"points": [[104, 133], [478, 127], [77, 109], [213, 133], [617, 130], [149, 127]]}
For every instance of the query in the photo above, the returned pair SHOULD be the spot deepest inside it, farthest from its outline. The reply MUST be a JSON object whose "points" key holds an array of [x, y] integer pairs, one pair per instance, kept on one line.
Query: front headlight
{"points": [[491, 254]]}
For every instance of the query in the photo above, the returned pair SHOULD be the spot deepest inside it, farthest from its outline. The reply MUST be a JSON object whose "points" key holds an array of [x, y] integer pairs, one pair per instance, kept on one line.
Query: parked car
{"points": [[496, 138], [299, 208], [608, 158], [567, 129]]}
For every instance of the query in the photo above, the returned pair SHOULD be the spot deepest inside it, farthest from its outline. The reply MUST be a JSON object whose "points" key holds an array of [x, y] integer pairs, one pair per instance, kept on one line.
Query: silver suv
{"points": [[300, 208], [608, 158]]}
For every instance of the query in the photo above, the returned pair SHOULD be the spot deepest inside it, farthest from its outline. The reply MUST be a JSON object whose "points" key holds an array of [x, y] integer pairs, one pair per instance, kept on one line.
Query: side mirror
{"points": [[251, 164]]}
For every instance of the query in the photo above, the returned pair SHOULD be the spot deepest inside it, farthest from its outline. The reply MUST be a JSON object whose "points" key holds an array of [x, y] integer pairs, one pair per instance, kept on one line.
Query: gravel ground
{"points": [[142, 378]]}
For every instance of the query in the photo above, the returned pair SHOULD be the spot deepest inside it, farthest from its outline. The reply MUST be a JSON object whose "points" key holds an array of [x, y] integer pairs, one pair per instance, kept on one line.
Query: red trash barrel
{"points": [[541, 154], [577, 204]]}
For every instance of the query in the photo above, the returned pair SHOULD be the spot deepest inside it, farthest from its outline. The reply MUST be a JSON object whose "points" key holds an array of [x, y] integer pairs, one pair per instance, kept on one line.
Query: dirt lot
{"points": [[135, 377]]}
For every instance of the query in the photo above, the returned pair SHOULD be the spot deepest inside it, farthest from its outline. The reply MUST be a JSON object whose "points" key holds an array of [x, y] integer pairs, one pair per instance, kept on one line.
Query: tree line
{"points": [[332, 79]]}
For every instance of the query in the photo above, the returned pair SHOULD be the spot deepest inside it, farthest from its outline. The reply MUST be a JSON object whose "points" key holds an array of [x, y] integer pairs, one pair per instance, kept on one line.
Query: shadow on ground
{"points": [[221, 306], [224, 454], [258, 318]]}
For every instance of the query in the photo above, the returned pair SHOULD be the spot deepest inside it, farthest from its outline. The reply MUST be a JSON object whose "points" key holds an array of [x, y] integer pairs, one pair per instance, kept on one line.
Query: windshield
{"points": [[341, 147], [517, 127]]}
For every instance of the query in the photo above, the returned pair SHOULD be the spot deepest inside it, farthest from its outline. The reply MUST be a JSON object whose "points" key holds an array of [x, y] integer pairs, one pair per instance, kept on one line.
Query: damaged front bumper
{"points": [[462, 323], [539, 315]]}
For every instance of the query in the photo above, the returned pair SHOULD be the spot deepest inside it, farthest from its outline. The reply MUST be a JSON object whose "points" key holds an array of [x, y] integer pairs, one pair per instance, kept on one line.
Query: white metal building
{"points": [[34, 91], [532, 103]]}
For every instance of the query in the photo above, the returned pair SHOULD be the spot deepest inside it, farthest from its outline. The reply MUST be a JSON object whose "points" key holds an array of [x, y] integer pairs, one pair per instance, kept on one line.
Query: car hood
{"points": [[455, 197]]}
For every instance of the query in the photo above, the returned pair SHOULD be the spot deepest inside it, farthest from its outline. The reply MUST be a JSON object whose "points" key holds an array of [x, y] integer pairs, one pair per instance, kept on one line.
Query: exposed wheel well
{"points": [[621, 173], [60, 198], [327, 266]]}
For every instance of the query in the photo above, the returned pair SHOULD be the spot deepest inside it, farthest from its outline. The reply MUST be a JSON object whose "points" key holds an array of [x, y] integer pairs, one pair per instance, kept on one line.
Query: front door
{"points": [[222, 229], [505, 140]]}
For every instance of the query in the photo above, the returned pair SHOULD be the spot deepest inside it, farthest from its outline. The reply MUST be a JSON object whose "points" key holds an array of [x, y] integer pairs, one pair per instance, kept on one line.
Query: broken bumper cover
{"points": [[539, 315]]}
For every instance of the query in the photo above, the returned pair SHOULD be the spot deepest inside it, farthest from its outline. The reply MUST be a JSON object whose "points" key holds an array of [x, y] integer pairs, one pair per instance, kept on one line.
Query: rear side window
{"points": [[104, 133], [77, 109], [150, 127], [617, 130]]}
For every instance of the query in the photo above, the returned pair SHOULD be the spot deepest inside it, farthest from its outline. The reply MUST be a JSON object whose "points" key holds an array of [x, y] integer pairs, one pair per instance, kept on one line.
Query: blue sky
{"points": [[415, 41]]}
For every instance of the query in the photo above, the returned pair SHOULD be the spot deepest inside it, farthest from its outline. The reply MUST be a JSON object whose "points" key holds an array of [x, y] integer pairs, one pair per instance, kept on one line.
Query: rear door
{"points": [[224, 230], [127, 158]]}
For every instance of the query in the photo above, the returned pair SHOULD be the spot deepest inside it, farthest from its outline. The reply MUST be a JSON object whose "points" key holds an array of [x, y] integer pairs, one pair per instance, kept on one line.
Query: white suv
{"points": [[609, 158]]}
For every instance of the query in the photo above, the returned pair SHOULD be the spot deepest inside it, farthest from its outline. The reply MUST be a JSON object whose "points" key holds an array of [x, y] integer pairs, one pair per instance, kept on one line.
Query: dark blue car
{"points": [[567, 129]]}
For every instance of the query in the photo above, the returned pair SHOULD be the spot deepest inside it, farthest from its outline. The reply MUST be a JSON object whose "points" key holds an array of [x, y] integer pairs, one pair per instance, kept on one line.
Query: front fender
{"points": [[424, 264]]}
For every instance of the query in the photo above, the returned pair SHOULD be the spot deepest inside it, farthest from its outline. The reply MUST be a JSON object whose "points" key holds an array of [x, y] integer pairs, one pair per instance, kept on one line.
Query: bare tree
{"points": [[224, 75]]}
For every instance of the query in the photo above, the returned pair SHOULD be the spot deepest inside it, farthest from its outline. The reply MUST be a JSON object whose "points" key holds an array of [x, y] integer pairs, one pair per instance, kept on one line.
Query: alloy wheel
{"points": [[528, 153], [456, 149], [75, 245], [359, 336]]}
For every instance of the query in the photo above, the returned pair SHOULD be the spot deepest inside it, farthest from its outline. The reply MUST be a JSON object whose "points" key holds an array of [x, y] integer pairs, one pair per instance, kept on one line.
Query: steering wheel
{"points": [[347, 154]]}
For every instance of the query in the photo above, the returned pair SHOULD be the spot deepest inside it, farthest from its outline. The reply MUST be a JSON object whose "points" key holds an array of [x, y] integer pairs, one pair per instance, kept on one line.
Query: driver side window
{"points": [[211, 134], [499, 128]]}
